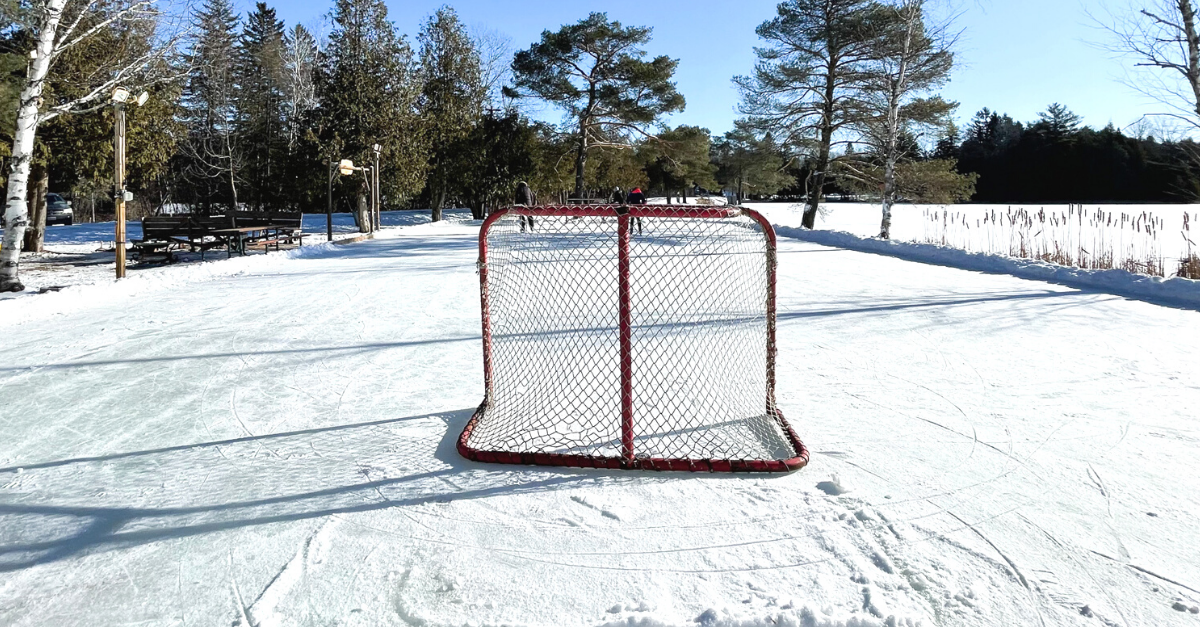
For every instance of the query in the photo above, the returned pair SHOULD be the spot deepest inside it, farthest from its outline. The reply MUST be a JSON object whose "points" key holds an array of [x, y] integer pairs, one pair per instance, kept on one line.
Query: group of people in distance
{"points": [[526, 197]]}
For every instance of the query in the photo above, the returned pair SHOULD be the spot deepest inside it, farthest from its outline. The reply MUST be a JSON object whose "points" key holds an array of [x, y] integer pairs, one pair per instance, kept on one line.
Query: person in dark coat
{"points": [[618, 196], [525, 197], [636, 197]]}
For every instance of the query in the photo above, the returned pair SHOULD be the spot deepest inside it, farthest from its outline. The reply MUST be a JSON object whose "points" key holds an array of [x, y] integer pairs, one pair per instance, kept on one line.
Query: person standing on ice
{"points": [[636, 197], [618, 196], [525, 197]]}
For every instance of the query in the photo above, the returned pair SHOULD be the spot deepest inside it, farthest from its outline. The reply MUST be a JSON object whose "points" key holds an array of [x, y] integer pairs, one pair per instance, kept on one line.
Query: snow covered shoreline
{"points": [[1174, 291]]}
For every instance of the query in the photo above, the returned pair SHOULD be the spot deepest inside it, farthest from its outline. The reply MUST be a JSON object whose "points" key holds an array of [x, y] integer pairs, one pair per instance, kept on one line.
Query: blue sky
{"points": [[1016, 56]]}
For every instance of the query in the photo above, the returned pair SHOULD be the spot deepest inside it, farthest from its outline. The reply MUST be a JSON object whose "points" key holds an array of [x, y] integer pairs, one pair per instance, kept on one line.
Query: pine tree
{"points": [[750, 165], [211, 160], [594, 70], [451, 100], [261, 91], [806, 85], [367, 85], [1057, 122], [680, 159]]}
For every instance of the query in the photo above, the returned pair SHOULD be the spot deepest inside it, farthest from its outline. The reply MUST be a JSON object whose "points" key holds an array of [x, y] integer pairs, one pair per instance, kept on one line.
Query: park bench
{"points": [[286, 227], [235, 231]]}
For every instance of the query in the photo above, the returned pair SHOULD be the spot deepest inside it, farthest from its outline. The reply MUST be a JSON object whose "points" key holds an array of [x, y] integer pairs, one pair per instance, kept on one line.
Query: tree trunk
{"points": [[17, 207], [439, 200], [35, 233], [892, 147], [580, 160], [1187, 14], [363, 218], [822, 165], [889, 198]]}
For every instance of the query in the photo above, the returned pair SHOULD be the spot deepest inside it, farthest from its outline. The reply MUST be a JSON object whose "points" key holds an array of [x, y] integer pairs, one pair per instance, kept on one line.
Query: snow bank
{"points": [[1174, 291]]}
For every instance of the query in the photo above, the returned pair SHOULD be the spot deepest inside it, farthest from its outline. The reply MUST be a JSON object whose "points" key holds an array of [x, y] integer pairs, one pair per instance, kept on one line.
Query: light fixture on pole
{"points": [[120, 96], [345, 167]]}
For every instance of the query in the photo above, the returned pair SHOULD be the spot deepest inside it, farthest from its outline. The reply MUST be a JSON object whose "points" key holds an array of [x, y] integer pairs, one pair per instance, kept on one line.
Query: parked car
{"points": [[58, 210]]}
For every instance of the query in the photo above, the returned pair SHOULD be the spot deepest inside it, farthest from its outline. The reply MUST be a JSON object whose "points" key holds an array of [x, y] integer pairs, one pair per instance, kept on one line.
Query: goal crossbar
{"points": [[597, 362]]}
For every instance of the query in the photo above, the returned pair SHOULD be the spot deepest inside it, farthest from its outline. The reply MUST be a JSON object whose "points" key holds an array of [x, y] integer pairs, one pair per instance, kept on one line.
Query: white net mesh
{"points": [[700, 332]]}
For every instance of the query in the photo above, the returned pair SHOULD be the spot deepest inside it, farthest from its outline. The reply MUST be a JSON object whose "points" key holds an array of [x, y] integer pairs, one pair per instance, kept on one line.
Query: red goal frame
{"points": [[624, 214]]}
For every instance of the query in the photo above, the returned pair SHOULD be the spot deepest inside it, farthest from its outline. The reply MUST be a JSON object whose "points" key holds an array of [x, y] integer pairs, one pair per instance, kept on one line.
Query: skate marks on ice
{"points": [[75, 508]]}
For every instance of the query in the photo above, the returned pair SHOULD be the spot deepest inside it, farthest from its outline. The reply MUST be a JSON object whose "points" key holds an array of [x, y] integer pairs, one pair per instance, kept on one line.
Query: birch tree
{"points": [[806, 85], [912, 59], [300, 61], [57, 26]]}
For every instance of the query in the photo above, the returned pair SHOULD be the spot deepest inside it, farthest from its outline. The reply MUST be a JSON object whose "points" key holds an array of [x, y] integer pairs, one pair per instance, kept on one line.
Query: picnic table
{"points": [[263, 235]]}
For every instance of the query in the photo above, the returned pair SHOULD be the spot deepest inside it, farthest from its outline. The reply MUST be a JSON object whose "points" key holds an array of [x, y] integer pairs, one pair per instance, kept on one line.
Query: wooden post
{"points": [[119, 182]]}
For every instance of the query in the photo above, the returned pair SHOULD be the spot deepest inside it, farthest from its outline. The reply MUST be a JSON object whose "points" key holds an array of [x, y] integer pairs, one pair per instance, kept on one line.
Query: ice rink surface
{"points": [[270, 441]]}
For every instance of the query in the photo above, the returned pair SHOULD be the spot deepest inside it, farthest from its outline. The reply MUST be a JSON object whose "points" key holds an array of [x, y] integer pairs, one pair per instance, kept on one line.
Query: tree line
{"points": [[248, 112]]}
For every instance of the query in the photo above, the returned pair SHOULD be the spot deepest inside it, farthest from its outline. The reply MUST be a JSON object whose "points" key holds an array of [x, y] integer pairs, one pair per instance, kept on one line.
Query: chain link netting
{"points": [[699, 339]]}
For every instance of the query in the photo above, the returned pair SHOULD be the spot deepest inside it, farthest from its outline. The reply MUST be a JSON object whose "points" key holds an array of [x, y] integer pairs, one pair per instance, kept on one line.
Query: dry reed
{"points": [[1099, 239]]}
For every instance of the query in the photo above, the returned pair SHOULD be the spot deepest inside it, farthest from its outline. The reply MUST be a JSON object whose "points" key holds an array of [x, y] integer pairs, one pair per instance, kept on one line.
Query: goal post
{"points": [[631, 337]]}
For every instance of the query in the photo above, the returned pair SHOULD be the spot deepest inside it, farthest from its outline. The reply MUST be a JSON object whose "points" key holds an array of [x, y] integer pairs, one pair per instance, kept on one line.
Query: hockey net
{"points": [[630, 337]]}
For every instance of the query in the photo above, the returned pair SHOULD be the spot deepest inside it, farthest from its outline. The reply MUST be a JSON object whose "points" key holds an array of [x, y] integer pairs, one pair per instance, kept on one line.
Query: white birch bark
{"points": [[16, 210], [898, 87]]}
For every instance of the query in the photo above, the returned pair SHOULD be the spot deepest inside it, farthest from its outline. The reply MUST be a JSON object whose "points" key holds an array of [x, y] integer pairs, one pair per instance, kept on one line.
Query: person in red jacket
{"points": [[636, 197]]}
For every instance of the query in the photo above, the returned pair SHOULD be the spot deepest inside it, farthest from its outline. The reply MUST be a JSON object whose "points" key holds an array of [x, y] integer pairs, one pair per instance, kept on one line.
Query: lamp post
{"points": [[120, 97], [329, 207], [375, 189], [345, 167]]}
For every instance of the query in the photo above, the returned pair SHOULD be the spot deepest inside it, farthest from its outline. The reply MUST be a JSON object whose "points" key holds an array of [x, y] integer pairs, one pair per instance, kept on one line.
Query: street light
{"points": [[345, 167], [376, 199], [120, 96]]}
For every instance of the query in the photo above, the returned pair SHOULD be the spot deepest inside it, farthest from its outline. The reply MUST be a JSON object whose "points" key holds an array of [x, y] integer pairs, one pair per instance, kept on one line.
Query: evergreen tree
{"points": [[749, 164], [261, 81], [594, 70], [451, 99], [1057, 121], [367, 86], [947, 145], [211, 160], [806, 84], [680, 159], [497, 154]]}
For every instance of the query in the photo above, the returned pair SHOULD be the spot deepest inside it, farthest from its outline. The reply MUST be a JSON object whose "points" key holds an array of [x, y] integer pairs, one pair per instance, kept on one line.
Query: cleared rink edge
{"points": [[1174, 292]]}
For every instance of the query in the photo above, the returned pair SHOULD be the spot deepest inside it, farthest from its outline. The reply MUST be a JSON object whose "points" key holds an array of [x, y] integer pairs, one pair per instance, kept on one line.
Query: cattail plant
{"points": [[1096, 239], [1189, 266]]}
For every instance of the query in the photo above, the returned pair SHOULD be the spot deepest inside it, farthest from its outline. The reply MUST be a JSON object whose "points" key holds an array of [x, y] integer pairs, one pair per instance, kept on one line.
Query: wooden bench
{"points": [[288, 224], [158, 237], [164, 235]]}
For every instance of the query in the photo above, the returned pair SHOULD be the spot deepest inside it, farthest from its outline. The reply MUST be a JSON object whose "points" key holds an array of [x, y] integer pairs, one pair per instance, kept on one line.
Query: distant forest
{"points": [[1057, 160]]}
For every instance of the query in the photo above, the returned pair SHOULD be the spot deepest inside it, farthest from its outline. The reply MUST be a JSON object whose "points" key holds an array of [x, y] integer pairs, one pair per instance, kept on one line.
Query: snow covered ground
{"points": [[270, 441]]}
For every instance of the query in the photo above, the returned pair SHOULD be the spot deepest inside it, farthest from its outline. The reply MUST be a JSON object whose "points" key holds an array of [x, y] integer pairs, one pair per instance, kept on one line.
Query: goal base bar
{"points": [[638, 463]]}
